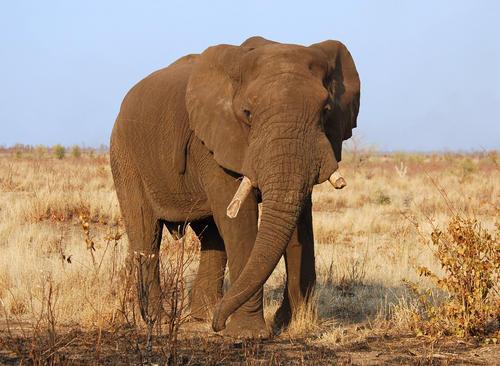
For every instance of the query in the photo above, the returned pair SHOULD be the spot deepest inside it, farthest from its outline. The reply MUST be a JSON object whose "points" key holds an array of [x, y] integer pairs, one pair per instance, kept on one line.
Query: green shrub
{"points": [[59, 151], [381, 198], [415, 158], [40, 151], [470, 257], [467, 165], [466, 168], [76, 151], [493, 157], [398, 156]]}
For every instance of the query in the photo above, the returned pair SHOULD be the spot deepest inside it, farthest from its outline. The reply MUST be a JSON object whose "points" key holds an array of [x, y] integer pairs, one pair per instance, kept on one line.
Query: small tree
{"points": [[76, 151], [40, 151], [59, 151]]}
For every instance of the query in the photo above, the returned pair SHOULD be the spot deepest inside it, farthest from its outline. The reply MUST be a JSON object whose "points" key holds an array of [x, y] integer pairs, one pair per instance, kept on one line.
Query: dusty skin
{"points": [[267, 115], [63, 302]]}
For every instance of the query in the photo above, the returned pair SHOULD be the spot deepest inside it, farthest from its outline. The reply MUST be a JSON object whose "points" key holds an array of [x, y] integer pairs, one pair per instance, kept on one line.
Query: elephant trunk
{"points": [[285, 182]]}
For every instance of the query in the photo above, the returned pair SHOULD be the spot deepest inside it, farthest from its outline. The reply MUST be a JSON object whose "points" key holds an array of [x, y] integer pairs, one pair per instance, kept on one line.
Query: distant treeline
{"points": [[58, 151], [101, 149]]}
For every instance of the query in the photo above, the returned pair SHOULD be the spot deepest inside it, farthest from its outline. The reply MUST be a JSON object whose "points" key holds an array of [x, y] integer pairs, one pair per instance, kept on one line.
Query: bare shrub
{"points": [[402, 169], [470, 297], [175, 262], [46, 342]]}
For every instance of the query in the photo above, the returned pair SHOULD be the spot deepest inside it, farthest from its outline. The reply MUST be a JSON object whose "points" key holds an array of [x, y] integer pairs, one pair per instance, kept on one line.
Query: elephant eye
{"points": [[247, 113]]}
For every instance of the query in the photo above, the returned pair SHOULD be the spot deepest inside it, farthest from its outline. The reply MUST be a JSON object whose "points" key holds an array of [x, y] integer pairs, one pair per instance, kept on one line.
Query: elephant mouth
{"points": [[336, 180]]}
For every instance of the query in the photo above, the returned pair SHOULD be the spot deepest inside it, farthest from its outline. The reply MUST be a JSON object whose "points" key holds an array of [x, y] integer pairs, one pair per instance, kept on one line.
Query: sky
{"points": [[429, 70]]}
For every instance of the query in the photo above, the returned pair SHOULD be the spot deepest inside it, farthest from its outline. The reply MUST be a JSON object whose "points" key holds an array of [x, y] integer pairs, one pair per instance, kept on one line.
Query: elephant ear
{"points": [[212, 86], [342, 82]]}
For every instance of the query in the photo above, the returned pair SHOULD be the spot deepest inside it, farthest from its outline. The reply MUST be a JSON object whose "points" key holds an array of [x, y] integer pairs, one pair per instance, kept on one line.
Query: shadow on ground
{"points": [[124, 346]]}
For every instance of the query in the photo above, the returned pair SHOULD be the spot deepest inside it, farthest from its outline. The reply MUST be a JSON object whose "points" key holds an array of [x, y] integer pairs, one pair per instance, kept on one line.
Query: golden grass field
{"points": [[61, 302]]}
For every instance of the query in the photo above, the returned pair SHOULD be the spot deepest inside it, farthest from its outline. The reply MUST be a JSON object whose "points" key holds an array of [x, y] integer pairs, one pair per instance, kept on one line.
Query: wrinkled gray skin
{"points": [[184, 137]]}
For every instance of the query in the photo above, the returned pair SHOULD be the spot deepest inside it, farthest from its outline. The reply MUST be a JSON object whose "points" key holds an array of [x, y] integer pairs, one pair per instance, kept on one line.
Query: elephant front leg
{"points": [[300, 269], [239, 235], [207, 287]]}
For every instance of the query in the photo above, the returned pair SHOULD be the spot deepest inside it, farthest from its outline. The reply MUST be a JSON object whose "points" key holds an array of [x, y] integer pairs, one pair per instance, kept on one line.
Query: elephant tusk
{"points": [[239, 197], [337, 180]]}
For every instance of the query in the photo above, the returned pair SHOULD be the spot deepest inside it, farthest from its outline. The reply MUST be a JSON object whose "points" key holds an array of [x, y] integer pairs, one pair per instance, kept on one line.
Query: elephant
{"points": [[208, 138]]}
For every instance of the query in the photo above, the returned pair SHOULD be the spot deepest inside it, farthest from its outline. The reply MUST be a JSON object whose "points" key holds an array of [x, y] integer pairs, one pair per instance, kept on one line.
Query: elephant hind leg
{"points": [[207, 287], [144, 231], [146, 246]]}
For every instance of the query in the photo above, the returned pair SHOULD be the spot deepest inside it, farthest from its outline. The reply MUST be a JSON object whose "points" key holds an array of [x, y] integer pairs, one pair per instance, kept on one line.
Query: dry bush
{"points": [[469, 301], [176, 259], [177, 272]]}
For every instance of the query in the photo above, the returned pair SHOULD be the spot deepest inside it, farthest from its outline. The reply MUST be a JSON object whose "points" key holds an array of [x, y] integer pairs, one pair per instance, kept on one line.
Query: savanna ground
{"points": [[67, 297]]}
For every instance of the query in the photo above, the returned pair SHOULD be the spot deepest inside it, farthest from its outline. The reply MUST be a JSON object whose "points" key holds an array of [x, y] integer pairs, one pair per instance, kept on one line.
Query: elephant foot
{"points": [[247, 326], [201, 316], [202, 307], [201, 313], [282, 318]]}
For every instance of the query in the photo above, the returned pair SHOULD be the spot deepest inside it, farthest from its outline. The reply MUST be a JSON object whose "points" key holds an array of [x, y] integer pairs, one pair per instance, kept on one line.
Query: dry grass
{"points": [[366, 242]]}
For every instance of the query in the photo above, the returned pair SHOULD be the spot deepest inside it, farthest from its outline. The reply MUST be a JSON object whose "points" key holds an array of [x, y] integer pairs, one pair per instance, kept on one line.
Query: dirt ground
{"points": [[197, 345]]}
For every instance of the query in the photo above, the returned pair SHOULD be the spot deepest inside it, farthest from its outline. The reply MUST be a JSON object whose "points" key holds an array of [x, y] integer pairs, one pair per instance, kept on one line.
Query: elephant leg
{"points": [[239, 237], [207, 287], [144, 231], [300, 269]]}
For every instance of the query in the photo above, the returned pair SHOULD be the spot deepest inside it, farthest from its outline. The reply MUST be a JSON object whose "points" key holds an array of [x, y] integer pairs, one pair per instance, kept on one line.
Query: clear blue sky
{"points": [[429, 70]]}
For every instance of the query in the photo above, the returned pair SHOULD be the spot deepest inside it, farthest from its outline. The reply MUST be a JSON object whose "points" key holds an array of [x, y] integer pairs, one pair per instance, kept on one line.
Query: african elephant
{"points": [[270, 116]]}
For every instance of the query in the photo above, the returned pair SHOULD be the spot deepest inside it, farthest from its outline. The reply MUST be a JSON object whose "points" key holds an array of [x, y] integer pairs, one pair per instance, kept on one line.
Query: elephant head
{"points": [[276, 114]]}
